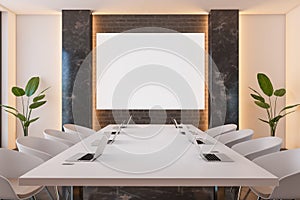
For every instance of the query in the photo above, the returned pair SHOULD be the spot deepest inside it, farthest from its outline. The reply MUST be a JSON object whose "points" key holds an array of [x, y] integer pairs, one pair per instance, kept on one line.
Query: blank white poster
{"points": [[150, 71]]}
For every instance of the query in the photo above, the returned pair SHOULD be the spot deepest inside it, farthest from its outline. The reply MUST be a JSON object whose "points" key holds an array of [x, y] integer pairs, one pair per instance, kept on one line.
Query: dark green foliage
{"points": [[267, 88]]}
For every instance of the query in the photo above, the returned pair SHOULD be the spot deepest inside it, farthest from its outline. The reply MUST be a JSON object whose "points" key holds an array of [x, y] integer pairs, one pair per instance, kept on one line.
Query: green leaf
{"points": [[262, 104], [32, 86], [27, 123], [40, 97], [289, 107], [256, 97], [254, 91], [21, 117], [276, 119], [289, 113], [9, 107], [265, 84], [11, 113], [33, 120], [263, 121], [37, 104], [45, 90], [17, 91], [280, 92]]}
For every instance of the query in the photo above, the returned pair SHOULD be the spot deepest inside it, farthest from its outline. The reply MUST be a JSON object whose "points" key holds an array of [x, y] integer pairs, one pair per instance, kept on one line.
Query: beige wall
{"points": [[39, 54], [8, 76], [262, 49], [292, 76]]}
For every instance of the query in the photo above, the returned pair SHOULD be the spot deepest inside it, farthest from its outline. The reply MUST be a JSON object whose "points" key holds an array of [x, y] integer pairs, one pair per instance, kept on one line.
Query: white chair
{"points": [[235, 137], [13, 165], [286, 166], [218, 130], [79, 130], [60, 136], [252, 149], [40, 147]]}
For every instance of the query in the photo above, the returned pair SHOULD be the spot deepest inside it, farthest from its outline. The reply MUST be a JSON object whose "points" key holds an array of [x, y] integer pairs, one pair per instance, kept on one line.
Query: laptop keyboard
{"points": [[110, 141], [88, 156], [211, 157], [199, 141]]}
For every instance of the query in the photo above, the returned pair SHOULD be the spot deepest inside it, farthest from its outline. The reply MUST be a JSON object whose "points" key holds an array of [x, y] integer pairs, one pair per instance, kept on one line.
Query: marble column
{"points": [[224, 72], [77, 67]]}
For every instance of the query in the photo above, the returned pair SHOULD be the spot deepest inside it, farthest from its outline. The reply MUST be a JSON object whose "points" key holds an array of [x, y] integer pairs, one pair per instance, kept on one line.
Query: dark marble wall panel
{"points": [[77, 67], [223, 47]]}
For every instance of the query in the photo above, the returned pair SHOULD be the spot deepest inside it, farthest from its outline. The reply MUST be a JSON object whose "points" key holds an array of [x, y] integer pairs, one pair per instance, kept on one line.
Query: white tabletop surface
{"points": [[149, 155]]}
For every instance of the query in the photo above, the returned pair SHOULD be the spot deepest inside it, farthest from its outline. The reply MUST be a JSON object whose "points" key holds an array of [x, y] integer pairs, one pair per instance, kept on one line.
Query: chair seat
{"points": [[24, 191], [263, 191]]}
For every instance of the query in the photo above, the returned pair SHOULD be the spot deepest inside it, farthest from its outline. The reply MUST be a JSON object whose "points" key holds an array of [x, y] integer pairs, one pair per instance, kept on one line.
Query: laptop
{"points": [[178, 126], [106, 134], [213, 156], [125, 125], [90, 156], [110, 141], [193, 139]]}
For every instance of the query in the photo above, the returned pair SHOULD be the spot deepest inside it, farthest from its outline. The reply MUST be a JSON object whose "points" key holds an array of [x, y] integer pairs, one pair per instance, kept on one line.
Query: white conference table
{"points": [[149, 155]]}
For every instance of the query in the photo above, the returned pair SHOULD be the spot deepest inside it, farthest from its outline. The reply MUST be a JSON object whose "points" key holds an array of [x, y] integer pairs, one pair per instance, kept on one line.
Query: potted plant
{"points": [[29, 103], [269, 102]]}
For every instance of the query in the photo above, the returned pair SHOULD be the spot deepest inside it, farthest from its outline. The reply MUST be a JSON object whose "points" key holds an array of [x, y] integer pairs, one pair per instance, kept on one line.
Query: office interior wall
{"points": [[8, 76], [262, 49], [39, 54], [292, 76]]}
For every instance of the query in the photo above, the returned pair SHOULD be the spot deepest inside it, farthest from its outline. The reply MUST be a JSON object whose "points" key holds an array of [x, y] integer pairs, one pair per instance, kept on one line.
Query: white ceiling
{"points": [[150, 6]]}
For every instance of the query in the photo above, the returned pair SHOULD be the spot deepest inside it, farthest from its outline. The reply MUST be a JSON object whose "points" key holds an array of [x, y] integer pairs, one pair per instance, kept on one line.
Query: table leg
{"points": [[71, 193], [215, 193], [77, 193], [219, 193]]}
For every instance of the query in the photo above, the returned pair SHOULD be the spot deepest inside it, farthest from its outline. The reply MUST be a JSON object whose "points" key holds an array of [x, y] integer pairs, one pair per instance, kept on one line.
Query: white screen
{"points": [[150, 70]]}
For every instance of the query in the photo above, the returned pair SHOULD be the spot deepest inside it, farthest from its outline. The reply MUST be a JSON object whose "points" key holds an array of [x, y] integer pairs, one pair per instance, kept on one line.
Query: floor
{"points": [[153, 193]]}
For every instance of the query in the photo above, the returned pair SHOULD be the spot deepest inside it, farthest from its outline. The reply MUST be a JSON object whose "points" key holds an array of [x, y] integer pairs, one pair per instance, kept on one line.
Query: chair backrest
{"points": [[13, 165], [79, 130], [252, 149], [40, 147], [235, 137], [6, 190], [286, 166], [60, 136], [218, 130]]}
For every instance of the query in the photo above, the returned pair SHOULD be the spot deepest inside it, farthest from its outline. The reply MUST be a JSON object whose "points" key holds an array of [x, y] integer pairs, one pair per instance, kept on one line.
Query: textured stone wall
{"points": [[224, 67], [76, 67]]}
